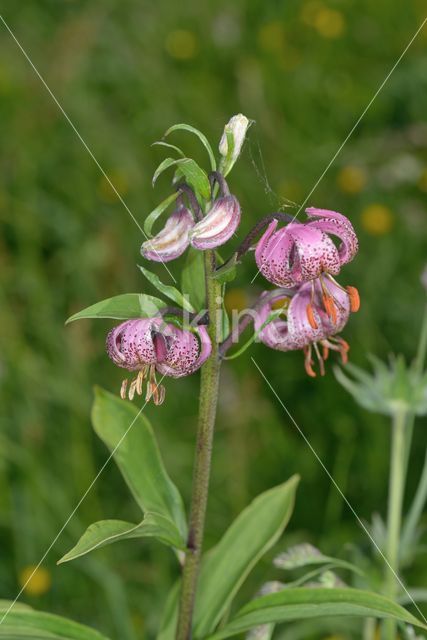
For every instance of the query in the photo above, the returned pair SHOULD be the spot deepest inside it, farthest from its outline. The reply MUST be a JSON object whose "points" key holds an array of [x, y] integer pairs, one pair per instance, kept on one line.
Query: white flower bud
{"points": [[236, 127]]}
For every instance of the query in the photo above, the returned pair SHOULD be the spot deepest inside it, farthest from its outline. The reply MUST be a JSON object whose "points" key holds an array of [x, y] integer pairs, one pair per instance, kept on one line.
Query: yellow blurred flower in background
{"points": [[106, 191], [271, 36], [35, 581], [235, 299], [351, 179], [329, 23], [377, 219], [272, 39], [181, 44]]}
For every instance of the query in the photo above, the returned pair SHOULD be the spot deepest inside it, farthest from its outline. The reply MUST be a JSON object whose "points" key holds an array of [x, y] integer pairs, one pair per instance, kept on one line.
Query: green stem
{"points": [[418, 365], [422, 346], [207, 413], [394, 519]]}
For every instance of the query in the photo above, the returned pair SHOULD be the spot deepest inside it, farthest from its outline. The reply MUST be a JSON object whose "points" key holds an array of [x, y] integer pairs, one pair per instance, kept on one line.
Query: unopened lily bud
{"points": [[172, 240], [236, 130], [218, 225]]}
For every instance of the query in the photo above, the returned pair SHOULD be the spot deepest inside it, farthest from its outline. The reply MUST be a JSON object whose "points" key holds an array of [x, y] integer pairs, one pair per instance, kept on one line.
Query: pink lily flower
{"points": [[172, 240], [303, 252], [148, 345], [308, 330]]}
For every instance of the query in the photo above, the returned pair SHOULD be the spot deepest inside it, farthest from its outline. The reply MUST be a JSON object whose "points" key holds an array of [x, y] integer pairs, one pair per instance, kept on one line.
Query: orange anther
{"points": [[308, 362], [310, 316], [353, 294], [330, 307], [325, 352]]}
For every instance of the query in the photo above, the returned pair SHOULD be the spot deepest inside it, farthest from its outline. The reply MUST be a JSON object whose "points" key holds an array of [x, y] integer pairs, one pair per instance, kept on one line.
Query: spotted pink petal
{"points": [[218, 225], [313, 252], [338, 225], [275, 334], [130, 344], [185, 353], [272, 255], [172, 240]]}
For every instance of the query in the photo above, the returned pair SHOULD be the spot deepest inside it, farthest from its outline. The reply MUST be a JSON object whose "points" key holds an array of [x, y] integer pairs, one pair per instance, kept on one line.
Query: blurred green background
{"points": [[124, 72]]}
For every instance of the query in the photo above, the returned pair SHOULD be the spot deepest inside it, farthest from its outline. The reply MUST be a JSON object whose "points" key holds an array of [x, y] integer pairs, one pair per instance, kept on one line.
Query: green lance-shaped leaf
{"points": [[203, 139], [138, 457], [157, 212], [193, 278], [23, 623], [123, 307], [162, 143], [168, 290], [106, 532], [227, 565], [304, 603], [190, 170]]}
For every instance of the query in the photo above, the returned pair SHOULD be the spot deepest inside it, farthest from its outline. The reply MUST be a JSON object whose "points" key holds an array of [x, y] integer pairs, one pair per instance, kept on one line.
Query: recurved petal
{"points": [[186, 352], [338, 225], [218, 225], [172, 240], [130, 344], [272, 255]]}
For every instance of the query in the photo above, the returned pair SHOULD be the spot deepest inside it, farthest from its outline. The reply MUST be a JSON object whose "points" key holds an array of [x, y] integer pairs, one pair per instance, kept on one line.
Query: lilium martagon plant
{"points": [[176, 333]]}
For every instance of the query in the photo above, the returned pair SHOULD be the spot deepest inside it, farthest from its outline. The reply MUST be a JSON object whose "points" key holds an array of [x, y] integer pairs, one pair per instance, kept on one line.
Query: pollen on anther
{"points": [[354, 297]]}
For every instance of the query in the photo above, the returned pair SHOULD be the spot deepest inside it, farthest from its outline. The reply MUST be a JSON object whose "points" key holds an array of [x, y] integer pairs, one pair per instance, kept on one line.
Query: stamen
{"points": [[330, 307], [139, 381], [123, 389], [338, 344], [328, 302], [353, 294], [325, 351], [308, 362], [159, 394], [320, 359], [132, 390], [310, 316]]}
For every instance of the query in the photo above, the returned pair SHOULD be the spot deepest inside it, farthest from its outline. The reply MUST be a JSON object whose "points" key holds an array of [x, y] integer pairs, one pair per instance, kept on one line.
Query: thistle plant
{"points": [[306, 309]]}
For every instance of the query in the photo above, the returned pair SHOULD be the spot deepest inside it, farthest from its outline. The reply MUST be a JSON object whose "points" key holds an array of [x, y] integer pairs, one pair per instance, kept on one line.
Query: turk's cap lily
{"points": [[148, 345], [307, 324], [172, 240], [218, 225], [300, 252], [234, 131]]}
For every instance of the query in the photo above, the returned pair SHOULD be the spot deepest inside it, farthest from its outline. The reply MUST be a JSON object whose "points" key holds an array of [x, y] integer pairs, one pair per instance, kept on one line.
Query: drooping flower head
{"points": [[304, 252], [180, 230], [301, 252], [148, 345], [313, 330], [172, 240]]}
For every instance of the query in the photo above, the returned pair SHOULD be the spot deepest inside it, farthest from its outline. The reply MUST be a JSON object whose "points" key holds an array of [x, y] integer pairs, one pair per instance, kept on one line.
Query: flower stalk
{"points": [[202, 465], [394, 518]]}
